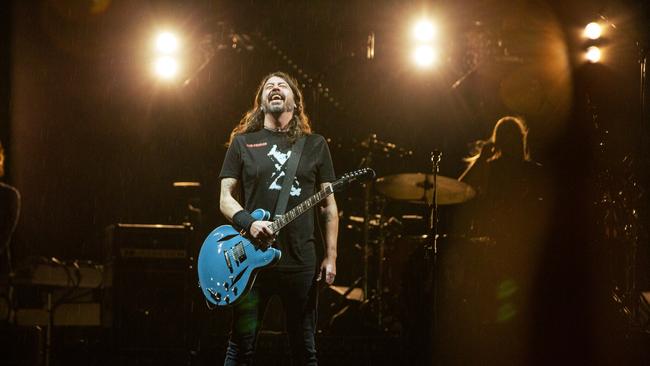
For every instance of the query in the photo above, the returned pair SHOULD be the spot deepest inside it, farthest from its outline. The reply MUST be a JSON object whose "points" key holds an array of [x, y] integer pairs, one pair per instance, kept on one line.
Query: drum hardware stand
{"points": [[191, 217], [633, 290], [381, 246], [371, 143], [366, 162], [373, 292]]}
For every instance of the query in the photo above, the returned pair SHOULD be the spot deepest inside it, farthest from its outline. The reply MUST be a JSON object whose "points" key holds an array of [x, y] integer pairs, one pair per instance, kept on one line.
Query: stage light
{"points": [[166, 67], [593, 54], [424, 56], [593, 30], [424, 31], [167, 43]]}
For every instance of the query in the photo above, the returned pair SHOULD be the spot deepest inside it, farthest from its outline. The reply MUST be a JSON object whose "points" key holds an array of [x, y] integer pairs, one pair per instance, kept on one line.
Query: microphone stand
{"points": [[432, 246], [431, 251]]}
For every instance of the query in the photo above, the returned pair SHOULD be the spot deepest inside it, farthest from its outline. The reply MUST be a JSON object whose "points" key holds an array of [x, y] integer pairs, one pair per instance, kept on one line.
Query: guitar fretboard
{"points": [[310, 202]]}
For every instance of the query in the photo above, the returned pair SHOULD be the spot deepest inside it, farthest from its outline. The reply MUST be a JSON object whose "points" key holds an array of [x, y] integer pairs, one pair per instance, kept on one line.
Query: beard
{"points": [[277, 108]]}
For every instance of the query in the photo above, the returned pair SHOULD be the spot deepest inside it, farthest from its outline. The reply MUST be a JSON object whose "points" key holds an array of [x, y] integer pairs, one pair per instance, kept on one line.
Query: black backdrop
{"points": [[94, 140]]}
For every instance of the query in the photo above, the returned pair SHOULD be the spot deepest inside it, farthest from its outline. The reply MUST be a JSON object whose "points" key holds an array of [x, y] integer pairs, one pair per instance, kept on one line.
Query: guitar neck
{"points": [[295, 212]]}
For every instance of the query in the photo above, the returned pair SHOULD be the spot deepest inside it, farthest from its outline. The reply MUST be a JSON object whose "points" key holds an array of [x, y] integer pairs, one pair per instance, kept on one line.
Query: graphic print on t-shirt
{"points": [[279, 159]]}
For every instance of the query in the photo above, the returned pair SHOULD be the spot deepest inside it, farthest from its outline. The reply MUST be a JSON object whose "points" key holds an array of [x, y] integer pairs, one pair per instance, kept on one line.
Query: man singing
{"points": [[252, 176]]}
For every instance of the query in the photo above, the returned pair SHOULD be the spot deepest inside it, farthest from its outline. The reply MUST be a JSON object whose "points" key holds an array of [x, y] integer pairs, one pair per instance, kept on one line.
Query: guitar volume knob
{"points": [[216, 296]]}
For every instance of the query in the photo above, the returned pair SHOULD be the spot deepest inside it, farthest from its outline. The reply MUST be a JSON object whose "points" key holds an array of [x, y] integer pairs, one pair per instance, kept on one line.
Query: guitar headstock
{"points": [[356, 175]]}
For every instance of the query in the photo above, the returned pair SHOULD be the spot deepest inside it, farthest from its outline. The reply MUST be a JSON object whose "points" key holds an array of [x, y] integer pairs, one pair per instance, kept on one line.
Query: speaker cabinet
{"points": [[149, 300]]}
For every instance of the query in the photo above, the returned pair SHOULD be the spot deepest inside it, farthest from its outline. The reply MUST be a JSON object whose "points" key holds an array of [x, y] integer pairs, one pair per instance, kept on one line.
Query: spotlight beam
{"points": [[166, 67], [167, 43], [424, 56], [593, 54], [593, 31], [424, 31]]}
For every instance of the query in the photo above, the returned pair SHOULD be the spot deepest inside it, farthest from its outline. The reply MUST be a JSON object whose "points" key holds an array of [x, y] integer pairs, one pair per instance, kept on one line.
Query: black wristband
{"points": [[243, 219]]}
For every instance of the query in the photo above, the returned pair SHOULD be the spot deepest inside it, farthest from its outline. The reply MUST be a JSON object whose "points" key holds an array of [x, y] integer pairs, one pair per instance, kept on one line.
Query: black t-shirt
{"points": [[257, 160]]}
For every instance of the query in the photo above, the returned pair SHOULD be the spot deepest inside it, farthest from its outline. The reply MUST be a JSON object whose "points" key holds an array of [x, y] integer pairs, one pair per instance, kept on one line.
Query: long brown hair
{"points": [[478, 146], [253, 120], [2, 160], [519, 122]]}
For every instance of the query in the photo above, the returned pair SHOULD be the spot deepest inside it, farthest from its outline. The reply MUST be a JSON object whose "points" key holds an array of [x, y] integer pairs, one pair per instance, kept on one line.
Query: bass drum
{"points": [[464, 279], [463, 275], [462, 263]]}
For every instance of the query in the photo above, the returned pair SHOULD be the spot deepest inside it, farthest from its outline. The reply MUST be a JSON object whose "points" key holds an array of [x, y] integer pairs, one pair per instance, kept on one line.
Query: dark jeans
{"points": [[298, 292]]}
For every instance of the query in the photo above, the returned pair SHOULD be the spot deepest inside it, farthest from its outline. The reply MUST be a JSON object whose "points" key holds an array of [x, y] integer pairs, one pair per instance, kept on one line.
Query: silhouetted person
{"points": [[9, 212], [508, 216]]}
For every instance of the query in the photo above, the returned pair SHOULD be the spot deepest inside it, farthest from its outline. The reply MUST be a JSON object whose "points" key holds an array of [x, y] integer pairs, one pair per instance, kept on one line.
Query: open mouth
{"points": [[276, 97]]}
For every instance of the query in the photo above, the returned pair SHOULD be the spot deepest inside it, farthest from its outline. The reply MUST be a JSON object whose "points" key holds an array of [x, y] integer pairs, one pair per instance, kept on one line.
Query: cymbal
{"points": [[355, 294], [419, 186]]}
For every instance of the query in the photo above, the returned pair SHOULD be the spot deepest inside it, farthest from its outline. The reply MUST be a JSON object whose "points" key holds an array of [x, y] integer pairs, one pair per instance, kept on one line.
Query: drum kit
{"points": [[419, 187], [399, 217]]}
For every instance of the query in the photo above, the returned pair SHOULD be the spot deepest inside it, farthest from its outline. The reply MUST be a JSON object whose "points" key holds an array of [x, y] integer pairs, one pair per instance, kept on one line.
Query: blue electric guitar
{"points": [[229, 260]]}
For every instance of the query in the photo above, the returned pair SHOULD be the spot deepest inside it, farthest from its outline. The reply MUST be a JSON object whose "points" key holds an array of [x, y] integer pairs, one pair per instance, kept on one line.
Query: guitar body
{"points": [[228, 263]]}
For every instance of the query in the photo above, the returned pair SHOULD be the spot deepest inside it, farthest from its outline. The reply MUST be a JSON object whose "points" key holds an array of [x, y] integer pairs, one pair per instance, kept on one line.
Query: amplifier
{"points": [[70, 314], [146, 243], [43, 272], [148, 304]]}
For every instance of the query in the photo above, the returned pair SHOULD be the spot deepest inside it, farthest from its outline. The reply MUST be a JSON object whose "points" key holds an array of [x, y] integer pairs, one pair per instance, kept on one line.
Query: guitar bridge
{"points": [[228, 263]]}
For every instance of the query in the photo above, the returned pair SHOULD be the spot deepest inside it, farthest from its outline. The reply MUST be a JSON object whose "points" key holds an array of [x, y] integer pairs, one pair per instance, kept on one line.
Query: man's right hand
{"points": [[263, 234]]}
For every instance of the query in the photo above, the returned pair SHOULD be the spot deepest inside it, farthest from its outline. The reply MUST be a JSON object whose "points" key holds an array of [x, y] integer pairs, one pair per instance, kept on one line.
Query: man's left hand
{"points": [[327, 269]]}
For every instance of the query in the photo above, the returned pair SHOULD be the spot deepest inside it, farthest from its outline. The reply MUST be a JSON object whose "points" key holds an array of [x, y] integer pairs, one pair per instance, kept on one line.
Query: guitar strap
{"points": [[289, 174]]}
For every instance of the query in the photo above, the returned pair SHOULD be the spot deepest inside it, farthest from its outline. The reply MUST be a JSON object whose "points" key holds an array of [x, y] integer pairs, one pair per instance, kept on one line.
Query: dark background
{"points": [[93, 139]]}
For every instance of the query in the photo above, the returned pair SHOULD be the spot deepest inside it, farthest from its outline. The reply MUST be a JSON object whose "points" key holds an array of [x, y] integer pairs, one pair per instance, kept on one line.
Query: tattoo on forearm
{"points": [[327, 216], [230, 185]]}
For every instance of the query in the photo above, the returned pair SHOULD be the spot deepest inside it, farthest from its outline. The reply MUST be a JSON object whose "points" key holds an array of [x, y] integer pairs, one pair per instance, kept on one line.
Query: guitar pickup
{"points": [[239, 253]]}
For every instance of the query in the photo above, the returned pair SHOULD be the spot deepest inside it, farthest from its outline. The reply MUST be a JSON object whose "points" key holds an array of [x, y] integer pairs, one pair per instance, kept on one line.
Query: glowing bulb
{"points": [[167, 43], [424, 31], [593, 54], [593, 30], [166, 67], [424, 56]]}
